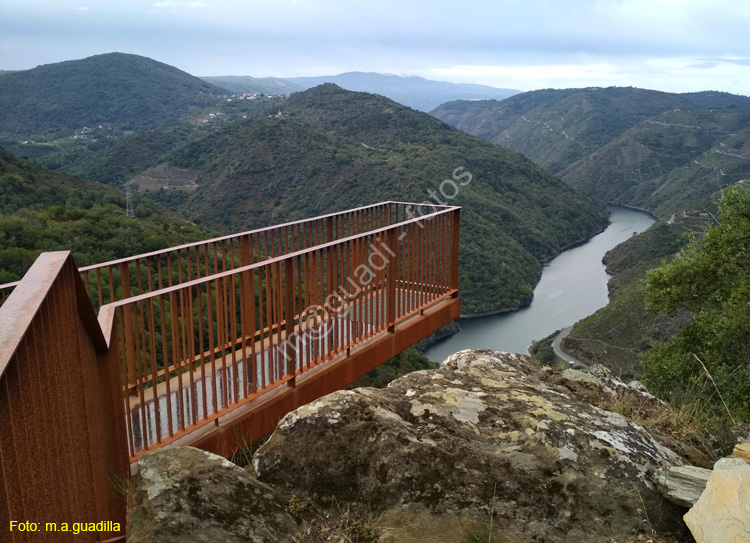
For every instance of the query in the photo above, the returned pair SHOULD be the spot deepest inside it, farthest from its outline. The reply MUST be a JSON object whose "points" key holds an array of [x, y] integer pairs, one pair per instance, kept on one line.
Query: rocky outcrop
{"points": [[682, 485], [184, 495], [489, 434], [722, 514]]}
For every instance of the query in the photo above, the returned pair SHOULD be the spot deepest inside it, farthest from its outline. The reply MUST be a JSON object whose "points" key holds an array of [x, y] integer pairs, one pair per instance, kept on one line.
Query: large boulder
{"points": [[487, 434], [184, 495], [722, 514]]}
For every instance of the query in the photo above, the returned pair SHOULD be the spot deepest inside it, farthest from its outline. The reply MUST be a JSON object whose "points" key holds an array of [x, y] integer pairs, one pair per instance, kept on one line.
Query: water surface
{"points": [[573, 286]]}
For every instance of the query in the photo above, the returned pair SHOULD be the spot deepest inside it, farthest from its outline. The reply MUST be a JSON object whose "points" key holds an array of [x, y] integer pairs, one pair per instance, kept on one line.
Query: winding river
{"points": [[573, 286]]}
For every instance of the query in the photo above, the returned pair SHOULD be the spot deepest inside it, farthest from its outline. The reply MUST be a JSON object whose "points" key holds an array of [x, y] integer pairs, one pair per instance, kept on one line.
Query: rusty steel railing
{"points": [[310, 305], [119, 279], [192, 352], [62, 424], [175, 265]]}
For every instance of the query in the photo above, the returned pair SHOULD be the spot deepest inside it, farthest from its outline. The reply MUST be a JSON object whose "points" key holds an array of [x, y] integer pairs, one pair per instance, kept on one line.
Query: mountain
{"points": [[556, 128], [41, 210], [675, 161], [244, 83], [411, 91], [114, 91], [331, 149]]}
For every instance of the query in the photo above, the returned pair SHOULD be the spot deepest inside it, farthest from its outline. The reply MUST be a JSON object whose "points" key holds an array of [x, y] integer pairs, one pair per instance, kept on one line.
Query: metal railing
{"points": [[194, 351], [175, 265], [62, 426], [310, 305]]}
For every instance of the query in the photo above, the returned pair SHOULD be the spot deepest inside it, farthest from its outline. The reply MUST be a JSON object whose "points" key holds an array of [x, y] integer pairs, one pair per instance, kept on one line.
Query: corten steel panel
{"points": [[61, 432], [262, 418]]}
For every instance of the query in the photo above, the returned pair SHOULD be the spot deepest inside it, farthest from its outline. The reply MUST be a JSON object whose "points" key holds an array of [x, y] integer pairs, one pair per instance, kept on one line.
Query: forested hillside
{"points": [[556, 128], [117, 91], [42, 210], [332, 149], [679, 160]]}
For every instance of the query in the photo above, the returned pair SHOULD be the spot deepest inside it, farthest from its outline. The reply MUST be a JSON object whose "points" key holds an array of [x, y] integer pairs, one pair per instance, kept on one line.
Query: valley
{"points": [[374, 272]]}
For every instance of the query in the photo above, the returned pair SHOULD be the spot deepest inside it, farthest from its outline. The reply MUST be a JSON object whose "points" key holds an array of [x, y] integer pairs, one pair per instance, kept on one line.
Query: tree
{"points": [[711, 281]]}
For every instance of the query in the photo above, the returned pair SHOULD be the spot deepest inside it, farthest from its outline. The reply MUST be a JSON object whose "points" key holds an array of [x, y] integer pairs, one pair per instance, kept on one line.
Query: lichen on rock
{"points": [[185, 495], [488, 430]]}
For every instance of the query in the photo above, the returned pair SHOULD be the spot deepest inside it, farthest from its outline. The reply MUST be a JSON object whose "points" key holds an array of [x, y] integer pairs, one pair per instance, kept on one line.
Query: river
{"points": [[573, 286]]}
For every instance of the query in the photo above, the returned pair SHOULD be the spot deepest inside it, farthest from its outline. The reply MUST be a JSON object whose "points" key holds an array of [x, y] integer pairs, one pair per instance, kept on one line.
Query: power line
{"points": [[128, 203]]}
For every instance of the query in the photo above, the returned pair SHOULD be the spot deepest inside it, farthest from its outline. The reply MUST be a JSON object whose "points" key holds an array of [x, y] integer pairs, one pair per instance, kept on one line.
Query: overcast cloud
{"points": [[673, 45]]}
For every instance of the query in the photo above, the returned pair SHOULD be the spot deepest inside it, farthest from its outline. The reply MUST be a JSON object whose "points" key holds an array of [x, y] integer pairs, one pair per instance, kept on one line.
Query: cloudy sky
{"points": [[673, 45]]}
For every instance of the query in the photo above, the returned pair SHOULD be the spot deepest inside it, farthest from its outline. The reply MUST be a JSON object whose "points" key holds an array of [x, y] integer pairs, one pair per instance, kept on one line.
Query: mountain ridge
{"points": [[556, 128], [412, 91], [330, 149]]}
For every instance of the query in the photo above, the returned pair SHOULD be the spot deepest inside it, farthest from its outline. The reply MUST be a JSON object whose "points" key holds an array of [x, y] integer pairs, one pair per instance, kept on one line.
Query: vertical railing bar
{"points": [[233, 332], [308, 302], [167, 371], [253, 328], [233, 335], [269, 313], [261, 337], [139, 379], [176, 356], [288, 295], [125, 380], [299, 308], [185, 355], [201, 340], [154, 366], [335, 334], [223, 334], [279, 304]]}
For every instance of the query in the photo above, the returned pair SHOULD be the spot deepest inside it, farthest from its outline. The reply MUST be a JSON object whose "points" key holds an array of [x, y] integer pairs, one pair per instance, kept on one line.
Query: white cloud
{"points": [[175, 5], [81, 8]]}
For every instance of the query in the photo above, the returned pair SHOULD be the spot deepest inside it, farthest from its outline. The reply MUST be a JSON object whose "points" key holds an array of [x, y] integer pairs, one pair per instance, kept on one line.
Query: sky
{"points": [[670, 45]]}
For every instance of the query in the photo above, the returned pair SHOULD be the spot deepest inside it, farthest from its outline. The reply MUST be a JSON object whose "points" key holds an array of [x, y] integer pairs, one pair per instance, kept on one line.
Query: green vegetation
{"points": [[542, 349], [406, 362], [679, 160], [617, 334], [333, 149], [556, 128], [706, 362], [46, 211], [126, 92]]}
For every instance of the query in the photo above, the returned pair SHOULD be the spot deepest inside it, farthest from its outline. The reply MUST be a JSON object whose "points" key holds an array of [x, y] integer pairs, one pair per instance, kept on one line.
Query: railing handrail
{"points": [[159, 252], [238, 234], [272, 260]]}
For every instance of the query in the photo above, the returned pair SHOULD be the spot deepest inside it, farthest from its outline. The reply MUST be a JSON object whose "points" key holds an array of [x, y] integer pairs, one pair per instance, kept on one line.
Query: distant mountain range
{"points": [[412, 91], [246, 84], [567, 131], [331, 149]]}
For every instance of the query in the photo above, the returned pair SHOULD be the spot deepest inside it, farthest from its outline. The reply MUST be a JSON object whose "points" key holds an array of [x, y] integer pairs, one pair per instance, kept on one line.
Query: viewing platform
{"points": [[207, 344]]}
